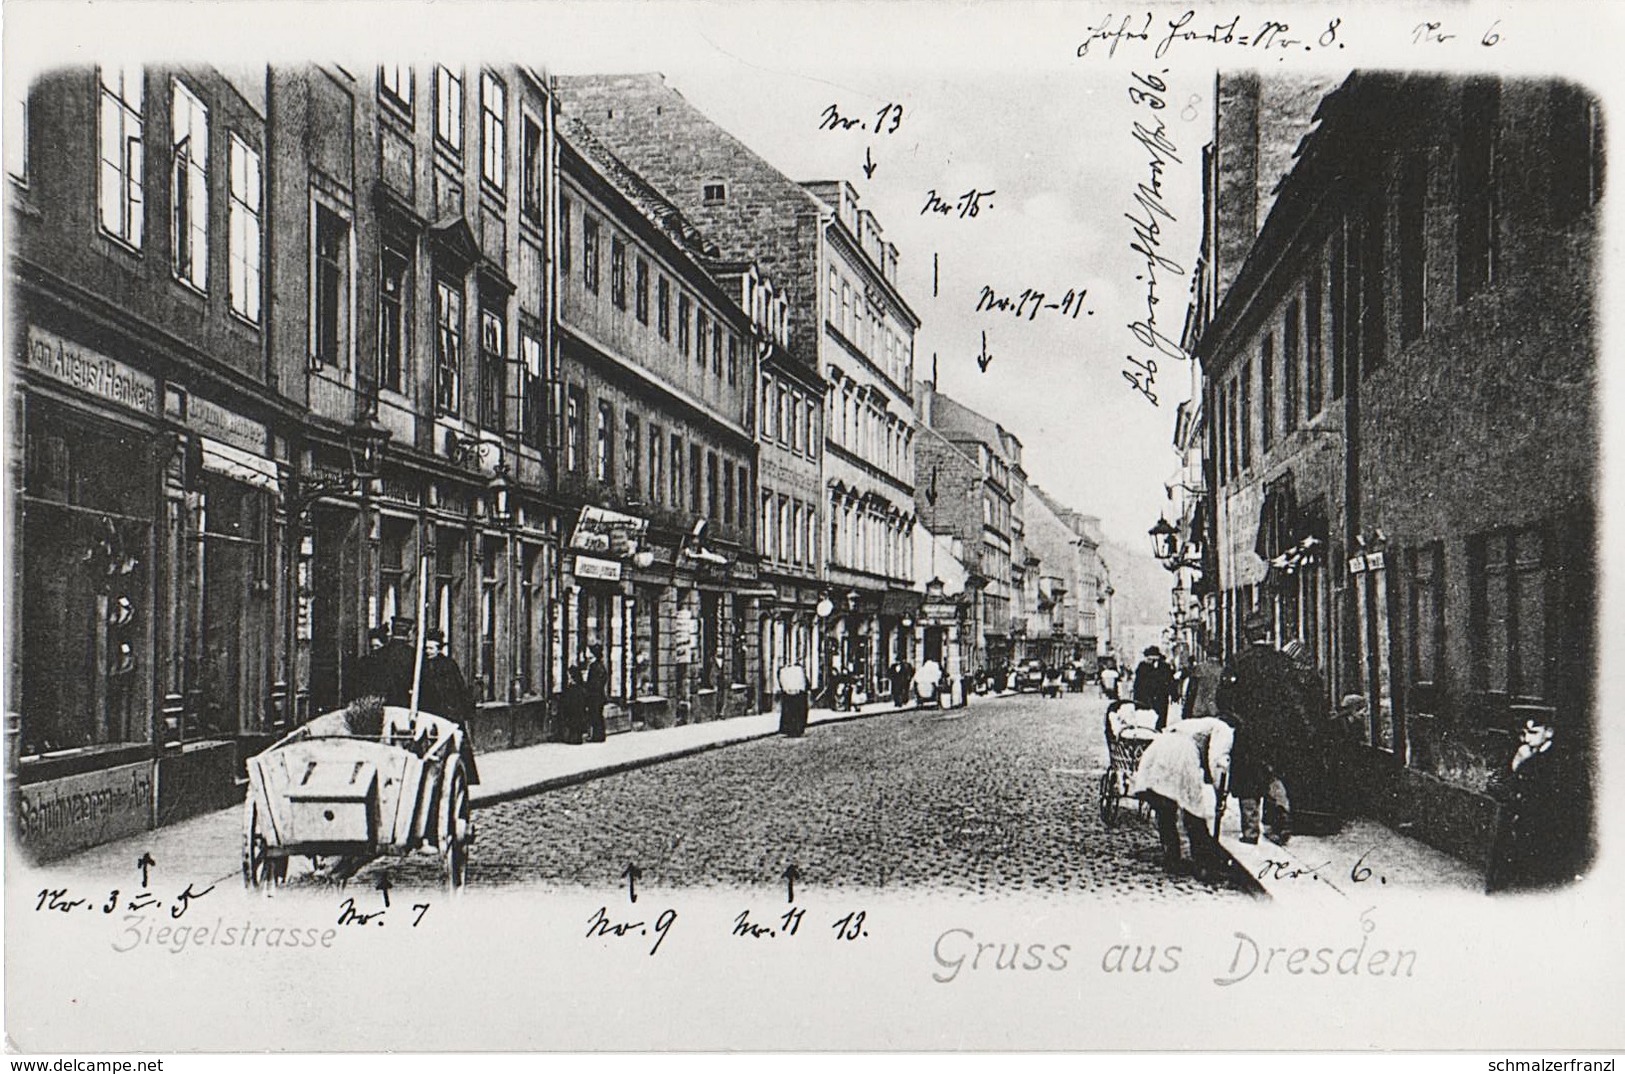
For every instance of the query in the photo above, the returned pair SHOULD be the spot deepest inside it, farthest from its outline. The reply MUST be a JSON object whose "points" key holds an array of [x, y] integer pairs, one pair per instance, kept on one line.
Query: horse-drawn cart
{"points": [[355, 784]]}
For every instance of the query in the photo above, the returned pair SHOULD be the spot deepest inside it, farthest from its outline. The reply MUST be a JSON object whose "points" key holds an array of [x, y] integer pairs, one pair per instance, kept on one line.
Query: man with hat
{"points": [[1534, 844], [391, 674], [445, 692], [1260, 690], [1154, 685], [368, 680]]}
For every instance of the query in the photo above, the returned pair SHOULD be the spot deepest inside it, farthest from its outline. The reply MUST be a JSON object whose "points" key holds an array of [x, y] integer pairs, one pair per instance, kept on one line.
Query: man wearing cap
{"points": [[1534, 839], [1260, 689], [445, 692], [392, 665], [368, 680], [1154, 685]]}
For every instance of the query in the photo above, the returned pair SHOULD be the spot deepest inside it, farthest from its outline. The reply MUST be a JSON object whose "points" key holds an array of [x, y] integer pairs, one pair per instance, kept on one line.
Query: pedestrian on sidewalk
{"points": [[596, 678], [445, 692], [901, 675], [927, 681], [1536, 832], [793, 701], [1260, 691], [1181, 775], [1154, 684], [573, 706], [1201, 696]]}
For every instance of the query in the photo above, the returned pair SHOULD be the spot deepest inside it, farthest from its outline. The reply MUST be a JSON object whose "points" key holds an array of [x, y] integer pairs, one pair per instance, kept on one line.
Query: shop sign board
{"points": [[214, 420], [598, 570], [686, 637], [58, 816], [79, 367], [608, 532]]}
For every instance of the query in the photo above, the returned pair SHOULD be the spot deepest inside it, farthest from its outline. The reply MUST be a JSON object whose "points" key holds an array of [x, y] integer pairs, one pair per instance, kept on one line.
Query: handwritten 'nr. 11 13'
{"points": [[886, 121]]}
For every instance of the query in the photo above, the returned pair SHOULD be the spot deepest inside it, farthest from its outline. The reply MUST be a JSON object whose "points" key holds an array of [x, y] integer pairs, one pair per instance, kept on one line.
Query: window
{"points": [[493, 370], [17, 144], [1374, 325], [712, 490], [663, 308], [119, 173], [532, 167], [604, 457], [448, 109], [733, 359], [243, 231], [393, 340], [655, 455], [190, 187], [1290, 371], [1413, 179], [575, 443], [395, 86], [694, 478], [1266, 393], [448, 349], [676, 472], [812, 431], [716, 349], [532, 399], [1314, 386], [714, 193], [1508, 591], [1426, 613], [782, 432], [727, 492], [846, 309], [682, 325], [617, 272], [589, 253], [565, 238], [632, 457], [1246, 427], [702, 333], [640, 293], [330, 284], [770, 424], [1476, 181], [493, 130], [493, 560], [744, 503], [798, 544], [834, 296]]}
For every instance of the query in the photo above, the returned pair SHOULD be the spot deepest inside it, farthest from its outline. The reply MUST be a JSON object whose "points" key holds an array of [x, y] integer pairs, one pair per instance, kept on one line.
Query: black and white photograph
{"points": [[785, 527]]}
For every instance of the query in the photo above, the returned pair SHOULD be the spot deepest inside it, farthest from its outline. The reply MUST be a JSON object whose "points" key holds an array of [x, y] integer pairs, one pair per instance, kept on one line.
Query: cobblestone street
{"points": [[1000, 796]]}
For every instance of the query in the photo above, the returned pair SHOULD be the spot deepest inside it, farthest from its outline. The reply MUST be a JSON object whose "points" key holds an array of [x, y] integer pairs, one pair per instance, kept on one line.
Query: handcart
{"points": [[357, 784], [1125, 742]]}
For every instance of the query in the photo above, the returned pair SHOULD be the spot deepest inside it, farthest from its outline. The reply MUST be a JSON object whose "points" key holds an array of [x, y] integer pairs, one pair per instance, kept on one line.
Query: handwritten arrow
{"points": [[869, 164], [791, 875], [145, 862], [984, 359], [630, 874], [383, 886]]}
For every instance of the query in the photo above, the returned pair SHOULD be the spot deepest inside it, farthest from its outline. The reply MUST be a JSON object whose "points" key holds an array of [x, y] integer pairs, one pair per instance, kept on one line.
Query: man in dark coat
{"points": [[1261, 689], [573, 707], [597, 680], [1535, 837], [393, 665], [1154, 685], [901, 675], [445, 692], [367, 680]]}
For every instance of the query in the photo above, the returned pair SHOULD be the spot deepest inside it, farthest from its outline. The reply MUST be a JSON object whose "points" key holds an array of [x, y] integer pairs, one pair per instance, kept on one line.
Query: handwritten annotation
{"points": [[967, 205], [889, 120], [1151, 212], [1029, 303]]}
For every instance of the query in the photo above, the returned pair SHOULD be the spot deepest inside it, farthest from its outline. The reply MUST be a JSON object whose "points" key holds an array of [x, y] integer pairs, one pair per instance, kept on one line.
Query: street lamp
{"points": [[1164, 540]]}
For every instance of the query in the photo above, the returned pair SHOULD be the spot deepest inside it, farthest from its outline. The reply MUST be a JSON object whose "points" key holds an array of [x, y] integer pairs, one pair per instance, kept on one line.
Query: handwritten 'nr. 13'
{"points": [[886, 121]]}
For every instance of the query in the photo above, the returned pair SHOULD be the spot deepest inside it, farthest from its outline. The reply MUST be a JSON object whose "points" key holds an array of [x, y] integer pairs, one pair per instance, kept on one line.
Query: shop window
{"points": [[330, 287], [604, 455], [617, 272], [493, 130], [532, 624], [189, 188], [450, 555], [395, 86], [85, 568], [493, 370], [397, 559], [243, 231], [532, 393], [448, 110], [1477, 179], [640, 292], [575, 436], [1509, 601], [493, 564], [448, 351], [533, 166], [230, 683], [119, 174]]}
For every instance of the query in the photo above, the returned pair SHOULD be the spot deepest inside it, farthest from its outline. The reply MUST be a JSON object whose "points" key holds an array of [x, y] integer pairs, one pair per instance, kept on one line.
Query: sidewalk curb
{"points": [[572, 779]]}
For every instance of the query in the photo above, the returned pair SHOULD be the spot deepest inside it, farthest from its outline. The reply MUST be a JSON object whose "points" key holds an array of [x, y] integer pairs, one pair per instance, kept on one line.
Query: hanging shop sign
{"points": [[79, 367], [598, 570], [608, 532]]}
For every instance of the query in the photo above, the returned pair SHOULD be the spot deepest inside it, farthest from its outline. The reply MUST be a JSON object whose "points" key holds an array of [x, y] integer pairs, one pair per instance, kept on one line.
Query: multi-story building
{"points": [[657, 452], [851, 328], [1402, 437], [1067, 611], [983, 505], [271, 376]]}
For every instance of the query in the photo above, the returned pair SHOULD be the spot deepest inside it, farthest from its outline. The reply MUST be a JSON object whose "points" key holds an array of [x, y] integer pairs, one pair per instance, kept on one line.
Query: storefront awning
{"points": [[238, 465]]}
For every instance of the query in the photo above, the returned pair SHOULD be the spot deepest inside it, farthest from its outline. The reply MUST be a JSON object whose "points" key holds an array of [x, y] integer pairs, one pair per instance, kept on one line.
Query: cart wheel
{"points": [[260, 868], [1108, 799], [456, 824]]}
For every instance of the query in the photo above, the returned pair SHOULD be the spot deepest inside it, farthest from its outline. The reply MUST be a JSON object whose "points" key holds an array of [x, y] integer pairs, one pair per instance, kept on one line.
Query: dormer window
{"points": [[715, 194]]}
